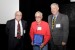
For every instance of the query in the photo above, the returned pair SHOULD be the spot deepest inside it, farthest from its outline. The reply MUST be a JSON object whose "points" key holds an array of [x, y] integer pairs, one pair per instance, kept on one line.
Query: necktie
{"points": [[18, 31], [53, 22]]}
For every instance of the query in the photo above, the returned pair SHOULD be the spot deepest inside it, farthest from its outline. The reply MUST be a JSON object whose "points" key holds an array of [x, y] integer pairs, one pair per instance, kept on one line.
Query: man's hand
{"points": [[63, 43], [31, 43], [42, 45]]}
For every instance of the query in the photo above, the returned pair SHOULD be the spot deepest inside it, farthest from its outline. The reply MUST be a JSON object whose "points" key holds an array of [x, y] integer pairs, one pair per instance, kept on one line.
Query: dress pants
{"points": [[56, 47], [17, 44]]}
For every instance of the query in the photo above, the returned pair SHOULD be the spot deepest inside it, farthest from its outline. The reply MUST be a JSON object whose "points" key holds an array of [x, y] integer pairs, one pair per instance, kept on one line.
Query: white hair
{"points": [[38, 12], [54, 4], [17, 12]]}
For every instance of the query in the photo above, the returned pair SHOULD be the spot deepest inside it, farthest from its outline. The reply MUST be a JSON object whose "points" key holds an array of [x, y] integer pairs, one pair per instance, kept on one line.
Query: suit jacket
{"points": [[61, 28], [10, 30]]}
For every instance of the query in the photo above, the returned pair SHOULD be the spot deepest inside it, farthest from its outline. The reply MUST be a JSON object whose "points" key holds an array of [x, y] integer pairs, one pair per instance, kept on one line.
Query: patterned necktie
{"points": [[18, 31], [53, 22]]}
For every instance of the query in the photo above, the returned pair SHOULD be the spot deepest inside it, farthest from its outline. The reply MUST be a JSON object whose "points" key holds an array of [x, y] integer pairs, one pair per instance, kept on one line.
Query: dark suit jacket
{"points": [[10, 30], [59, 35]]}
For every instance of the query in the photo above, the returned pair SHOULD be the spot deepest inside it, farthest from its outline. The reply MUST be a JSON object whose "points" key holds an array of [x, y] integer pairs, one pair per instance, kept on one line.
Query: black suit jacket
{"points": [[10, 30]]}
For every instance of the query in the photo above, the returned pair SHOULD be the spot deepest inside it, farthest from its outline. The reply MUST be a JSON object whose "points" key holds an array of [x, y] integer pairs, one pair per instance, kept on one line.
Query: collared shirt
{"points": [[55, 16], [42, 30], [16, 24]]}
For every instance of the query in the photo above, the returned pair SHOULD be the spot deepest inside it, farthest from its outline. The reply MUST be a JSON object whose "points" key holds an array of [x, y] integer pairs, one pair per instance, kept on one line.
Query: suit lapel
{"points": [[22, 24], [57, 20], [51, 21]]}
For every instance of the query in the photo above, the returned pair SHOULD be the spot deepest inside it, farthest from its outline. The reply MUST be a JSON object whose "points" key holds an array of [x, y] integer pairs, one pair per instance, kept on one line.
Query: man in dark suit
{"points": [[15, 30], [59, 26]]}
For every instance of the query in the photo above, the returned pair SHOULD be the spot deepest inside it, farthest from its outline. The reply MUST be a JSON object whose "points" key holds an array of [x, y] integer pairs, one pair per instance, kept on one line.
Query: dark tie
{"points": [[18, 31], [53, 22]]}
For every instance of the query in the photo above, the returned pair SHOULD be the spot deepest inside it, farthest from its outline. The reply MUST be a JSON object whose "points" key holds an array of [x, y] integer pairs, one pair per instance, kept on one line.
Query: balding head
{"points": [[54, 8], [18, 15], [18, 12]]}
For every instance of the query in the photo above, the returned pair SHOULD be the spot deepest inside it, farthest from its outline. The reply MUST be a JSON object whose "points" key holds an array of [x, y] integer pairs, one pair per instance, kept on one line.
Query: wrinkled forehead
{"points": [[54, 6]]}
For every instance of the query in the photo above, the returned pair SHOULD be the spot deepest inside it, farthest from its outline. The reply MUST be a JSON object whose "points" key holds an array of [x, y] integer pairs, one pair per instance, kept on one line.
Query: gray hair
{"points": [[39, 13], [54, 4], [17, 12]]}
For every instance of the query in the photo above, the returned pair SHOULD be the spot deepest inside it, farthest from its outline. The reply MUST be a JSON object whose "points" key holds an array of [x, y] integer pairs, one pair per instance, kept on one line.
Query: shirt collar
{"points": [[40, 23], [56, 15], [17, 21]]}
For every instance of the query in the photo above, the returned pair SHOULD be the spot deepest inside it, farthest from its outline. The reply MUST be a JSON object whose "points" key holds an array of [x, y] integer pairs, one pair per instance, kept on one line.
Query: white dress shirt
{"points": [[16, 25]]}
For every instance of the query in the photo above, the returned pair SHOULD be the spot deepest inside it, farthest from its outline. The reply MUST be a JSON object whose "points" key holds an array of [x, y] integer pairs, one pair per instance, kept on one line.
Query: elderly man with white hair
{"points": [[39, 33], [59, 26], [15, 29]]}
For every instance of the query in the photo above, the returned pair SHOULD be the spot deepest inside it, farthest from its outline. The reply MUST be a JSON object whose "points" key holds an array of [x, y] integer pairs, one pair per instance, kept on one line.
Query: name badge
{"points": [[24, 31], [58, 25], [39, 28]]}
